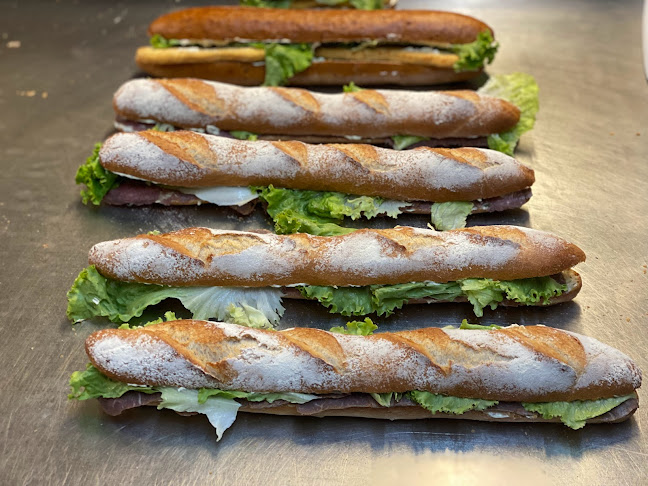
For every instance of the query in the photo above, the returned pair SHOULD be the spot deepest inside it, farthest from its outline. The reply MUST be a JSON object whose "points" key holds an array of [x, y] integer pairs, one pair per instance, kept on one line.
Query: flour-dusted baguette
{"points": [[277, 46], [291, 113], [367, 271], [186, 163], [517, 363], [511, 374], [188, 159], [203, 256]]}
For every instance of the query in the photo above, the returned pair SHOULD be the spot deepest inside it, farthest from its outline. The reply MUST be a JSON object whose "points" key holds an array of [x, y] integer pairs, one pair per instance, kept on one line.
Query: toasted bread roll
{"points": [[202, 256], [189, 159], [368, 47], [528, 364], [228, 24], [192, 103]]}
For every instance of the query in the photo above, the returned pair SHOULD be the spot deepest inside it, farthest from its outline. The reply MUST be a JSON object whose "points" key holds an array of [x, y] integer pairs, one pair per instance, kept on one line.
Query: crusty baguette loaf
{"points": [[533, 364], [329, 72], [202, 256], [189, 159], [192, 103], [229, 24]]}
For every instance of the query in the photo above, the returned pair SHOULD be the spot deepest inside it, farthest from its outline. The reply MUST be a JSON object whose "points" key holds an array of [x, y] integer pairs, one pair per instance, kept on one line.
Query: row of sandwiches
{"points": [[203, 135]]}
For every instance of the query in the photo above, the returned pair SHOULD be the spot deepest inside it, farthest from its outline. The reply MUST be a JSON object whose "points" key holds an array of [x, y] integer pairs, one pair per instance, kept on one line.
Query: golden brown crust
{"points": [[318, 26], [194, 103], [330, 72], [202, 256], [189, 159], [534, 364]]}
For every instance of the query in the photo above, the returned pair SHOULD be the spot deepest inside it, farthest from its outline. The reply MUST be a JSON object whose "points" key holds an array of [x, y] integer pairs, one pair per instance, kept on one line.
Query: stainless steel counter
{"points": [[590, 153]]}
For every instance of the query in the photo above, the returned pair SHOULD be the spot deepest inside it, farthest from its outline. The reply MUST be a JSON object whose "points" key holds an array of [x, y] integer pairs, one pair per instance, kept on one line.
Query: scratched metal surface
{"points": [[589, 150]]}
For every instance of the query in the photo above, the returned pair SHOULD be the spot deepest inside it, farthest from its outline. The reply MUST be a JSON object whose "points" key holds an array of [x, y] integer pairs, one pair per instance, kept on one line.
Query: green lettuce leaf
{"points": [[474, 55], [248, 316], [163, 127], [574, 414], [481, 293], [357, 328], [450, 215], [532, 290], [522, 90], [379, 299], [466, 325], [221, 412], [160, 42], [385, 299], [441, 403], [267, 3], [168, 316], [317, 212], [283, 61], [351, 88], [403, 141], [365, 4], [385, 399], [92, 384], [527, 291], [348, 301], [93, 295], [243, 135], [292, 397], [98, 181]]}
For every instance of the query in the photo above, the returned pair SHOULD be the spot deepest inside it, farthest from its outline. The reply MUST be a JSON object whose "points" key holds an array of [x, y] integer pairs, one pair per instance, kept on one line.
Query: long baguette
{"points": [[189, 159], [528, 364], [318, 26], [204, 257], [192, 103]]}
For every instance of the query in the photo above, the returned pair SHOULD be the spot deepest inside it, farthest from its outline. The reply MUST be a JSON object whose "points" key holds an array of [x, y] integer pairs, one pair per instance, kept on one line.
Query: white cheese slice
{"points": [[221, 196]]}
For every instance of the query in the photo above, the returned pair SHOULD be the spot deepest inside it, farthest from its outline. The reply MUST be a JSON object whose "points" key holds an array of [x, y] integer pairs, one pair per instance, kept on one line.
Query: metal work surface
{"points": [[60, 64]]}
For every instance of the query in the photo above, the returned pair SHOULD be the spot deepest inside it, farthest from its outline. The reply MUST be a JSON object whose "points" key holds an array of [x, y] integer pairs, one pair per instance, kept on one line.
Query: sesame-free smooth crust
{"points": [[318, 26], [517, 363], [203, 257]]}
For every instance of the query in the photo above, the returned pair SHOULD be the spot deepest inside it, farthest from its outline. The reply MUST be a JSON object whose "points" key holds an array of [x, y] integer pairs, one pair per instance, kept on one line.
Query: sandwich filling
{"points": [[221, 406], [93, 295], [283, 60]]}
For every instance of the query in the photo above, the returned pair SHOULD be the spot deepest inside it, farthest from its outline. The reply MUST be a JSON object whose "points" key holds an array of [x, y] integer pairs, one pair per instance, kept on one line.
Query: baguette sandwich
{"points": [[397, 119], [244, 275], [307, 188], [512, 374], [253, 46]]}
